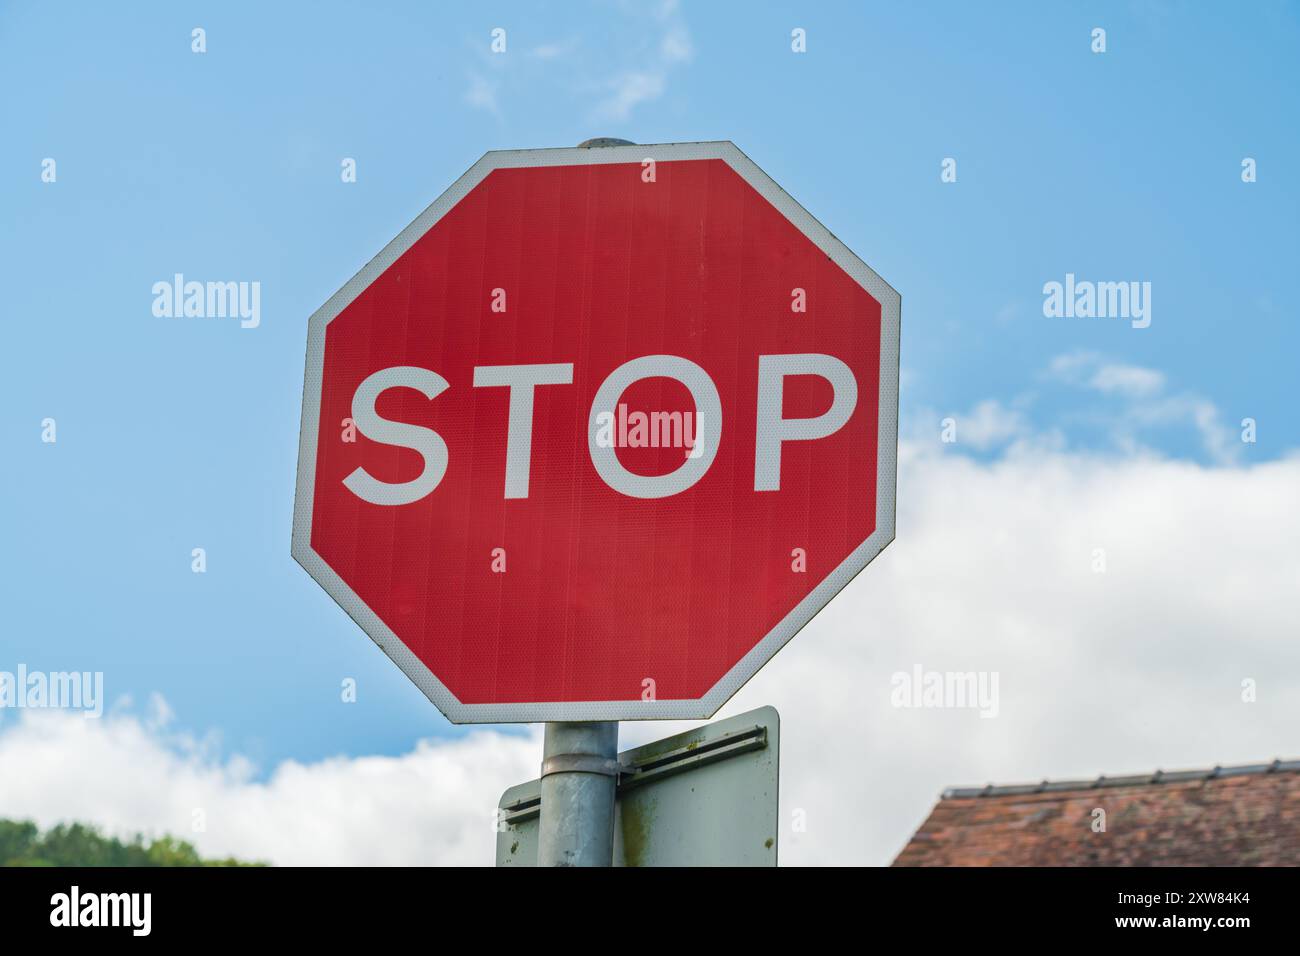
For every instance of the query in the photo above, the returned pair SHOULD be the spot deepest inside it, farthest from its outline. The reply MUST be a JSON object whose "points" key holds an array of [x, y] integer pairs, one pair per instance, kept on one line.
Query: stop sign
{"points": [[598, 433]]}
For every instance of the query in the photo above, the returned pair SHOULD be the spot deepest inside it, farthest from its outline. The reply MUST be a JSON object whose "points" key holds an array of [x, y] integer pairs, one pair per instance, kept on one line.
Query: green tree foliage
{"points": [[75, 844]]}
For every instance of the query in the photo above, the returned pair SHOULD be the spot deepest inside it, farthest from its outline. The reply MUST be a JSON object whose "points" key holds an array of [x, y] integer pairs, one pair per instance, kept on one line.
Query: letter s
{"points": [[426, 441]]}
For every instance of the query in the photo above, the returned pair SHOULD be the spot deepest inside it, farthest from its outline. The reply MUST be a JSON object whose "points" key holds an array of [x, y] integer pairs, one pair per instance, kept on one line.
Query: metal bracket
{"points": [[647, 770], [580, 763], [661, 765]]}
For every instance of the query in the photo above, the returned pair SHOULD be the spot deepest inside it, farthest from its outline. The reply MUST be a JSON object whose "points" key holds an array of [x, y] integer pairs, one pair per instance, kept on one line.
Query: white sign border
{"points": [[698, 708]]}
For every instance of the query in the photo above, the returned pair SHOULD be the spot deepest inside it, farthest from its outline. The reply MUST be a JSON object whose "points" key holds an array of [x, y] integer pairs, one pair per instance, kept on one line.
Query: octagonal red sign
{"points": [[598, 433]]}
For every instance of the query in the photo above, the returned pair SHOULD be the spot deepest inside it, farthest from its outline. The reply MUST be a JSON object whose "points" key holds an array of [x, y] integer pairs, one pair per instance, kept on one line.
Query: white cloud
{"points": [[432, 805], [1219, 440], [550, 51], [629, 66], [675, 47], [482, 94], [989, 424], [1147, 404], [1127, 671], [1090, 370], [1132, 380], [627, 91], [1070, 366]]}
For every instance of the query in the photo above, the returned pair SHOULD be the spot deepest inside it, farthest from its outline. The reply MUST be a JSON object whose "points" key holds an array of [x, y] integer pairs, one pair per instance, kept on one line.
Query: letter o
{"points": [[708, 430]]}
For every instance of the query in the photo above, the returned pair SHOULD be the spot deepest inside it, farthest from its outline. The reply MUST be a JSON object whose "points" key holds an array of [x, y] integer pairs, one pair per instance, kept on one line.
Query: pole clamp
{"points": [[580, 763]]}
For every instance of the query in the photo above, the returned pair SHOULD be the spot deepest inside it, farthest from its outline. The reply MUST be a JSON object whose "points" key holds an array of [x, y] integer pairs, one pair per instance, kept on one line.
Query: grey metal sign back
{"points": [[706, 797]]}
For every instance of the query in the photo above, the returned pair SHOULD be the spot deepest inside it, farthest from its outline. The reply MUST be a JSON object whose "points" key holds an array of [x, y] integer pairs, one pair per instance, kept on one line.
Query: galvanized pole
{"points": [[579, 776], [579, 770]]}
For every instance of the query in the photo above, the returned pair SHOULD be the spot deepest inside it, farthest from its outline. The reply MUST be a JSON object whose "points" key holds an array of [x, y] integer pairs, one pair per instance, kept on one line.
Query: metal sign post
{"points": [[579, 776]]}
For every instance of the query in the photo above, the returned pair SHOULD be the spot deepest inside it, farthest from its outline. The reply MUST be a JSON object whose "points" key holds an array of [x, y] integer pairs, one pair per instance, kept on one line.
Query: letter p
{"points": [[771, 428]]}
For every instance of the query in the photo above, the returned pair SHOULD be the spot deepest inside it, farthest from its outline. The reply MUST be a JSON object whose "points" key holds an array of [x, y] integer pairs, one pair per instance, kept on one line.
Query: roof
{"points": [[1243, 815]]}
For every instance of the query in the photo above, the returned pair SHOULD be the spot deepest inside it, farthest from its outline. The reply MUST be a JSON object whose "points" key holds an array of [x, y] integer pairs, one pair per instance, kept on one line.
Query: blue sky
{"points": [[181, 434]]}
